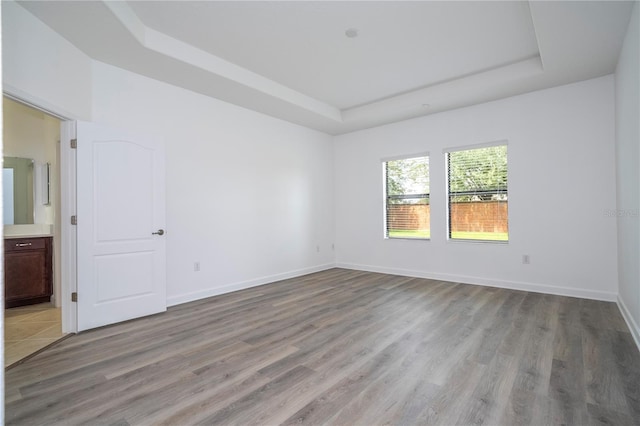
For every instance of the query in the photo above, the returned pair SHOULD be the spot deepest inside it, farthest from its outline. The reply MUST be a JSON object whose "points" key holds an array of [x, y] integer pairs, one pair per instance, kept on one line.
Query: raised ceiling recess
{"points": [[344, 66]]}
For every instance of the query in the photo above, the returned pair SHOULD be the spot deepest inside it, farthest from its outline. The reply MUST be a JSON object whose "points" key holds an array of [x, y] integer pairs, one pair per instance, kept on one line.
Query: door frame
{"points": [[68, 242], [68, 232]]}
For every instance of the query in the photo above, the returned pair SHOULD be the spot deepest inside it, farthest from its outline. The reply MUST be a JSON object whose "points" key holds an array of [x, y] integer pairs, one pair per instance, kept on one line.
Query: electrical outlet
{"points": [[526, 259], [318, 249], [196, 266]]}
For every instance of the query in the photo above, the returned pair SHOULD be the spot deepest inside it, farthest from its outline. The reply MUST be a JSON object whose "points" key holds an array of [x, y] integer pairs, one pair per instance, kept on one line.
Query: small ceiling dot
{"points": [[351, 33]]}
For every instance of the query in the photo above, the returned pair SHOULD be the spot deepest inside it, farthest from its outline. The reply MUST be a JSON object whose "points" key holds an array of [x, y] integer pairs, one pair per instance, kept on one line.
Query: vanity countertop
{"points": [[13, 237], [27, 231]]}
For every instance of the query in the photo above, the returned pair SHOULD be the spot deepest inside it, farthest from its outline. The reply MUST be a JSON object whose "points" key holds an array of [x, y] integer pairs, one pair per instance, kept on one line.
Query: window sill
{"points": [[406, 239], [461, 240]]}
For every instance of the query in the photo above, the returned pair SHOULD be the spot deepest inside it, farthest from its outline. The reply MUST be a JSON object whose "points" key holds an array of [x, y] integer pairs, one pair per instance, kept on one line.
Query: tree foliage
{"points": [[408, 176], [483, 171]]}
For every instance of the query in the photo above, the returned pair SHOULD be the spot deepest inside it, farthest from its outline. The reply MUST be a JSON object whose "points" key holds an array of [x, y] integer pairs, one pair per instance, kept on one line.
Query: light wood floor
{"points": [[28, 329], [345, 348]]}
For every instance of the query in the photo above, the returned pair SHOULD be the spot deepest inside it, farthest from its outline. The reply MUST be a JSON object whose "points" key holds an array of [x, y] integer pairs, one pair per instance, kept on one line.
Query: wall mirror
{"points": [[17, 190]]}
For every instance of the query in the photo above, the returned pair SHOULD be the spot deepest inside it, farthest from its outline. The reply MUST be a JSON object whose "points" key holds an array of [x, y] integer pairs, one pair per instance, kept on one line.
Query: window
{"points": [[477, 190], [407, 198]]}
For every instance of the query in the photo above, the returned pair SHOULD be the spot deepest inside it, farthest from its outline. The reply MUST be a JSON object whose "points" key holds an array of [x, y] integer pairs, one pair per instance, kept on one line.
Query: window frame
{"points": [[448, 151], [385, 196]]}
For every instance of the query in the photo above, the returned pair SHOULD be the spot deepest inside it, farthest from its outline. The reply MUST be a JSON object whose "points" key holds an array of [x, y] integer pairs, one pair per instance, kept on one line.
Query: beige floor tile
{"points": [[24, 348], [18, 315], [30, 308], [53, 332], [15, 318], [25, 330], [48, 315], [29, 329], [25, 312]]}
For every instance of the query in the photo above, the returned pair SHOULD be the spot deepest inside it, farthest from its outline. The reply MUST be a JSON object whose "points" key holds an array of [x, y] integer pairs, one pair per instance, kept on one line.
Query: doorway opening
{"points": [[32, 230]]}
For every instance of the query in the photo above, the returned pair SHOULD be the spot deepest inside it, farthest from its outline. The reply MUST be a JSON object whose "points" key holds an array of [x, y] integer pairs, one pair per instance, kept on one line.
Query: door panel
{"points": [[115, 163], [120, 203], [120, 276]]}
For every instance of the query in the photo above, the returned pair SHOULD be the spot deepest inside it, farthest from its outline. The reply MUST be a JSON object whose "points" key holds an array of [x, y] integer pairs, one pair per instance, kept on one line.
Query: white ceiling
{"points": [[292, 60], [400, 47]]}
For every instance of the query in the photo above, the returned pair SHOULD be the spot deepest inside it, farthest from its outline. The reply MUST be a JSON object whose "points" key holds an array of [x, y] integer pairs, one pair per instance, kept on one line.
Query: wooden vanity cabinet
{"points": [[28, 271]]}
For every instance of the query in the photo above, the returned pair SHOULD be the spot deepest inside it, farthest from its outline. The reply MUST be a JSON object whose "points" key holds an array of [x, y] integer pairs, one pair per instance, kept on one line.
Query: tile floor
{"points": [[28, 329]]}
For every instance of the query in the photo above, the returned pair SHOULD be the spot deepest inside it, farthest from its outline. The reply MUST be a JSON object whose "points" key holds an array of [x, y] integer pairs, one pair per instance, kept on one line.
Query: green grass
{"points": [[413, 233], [483, 236], [478, 236]]}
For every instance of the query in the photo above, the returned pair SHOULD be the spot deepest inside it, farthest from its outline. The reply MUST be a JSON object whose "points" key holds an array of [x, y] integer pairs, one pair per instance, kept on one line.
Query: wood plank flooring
{"points": [[345, 348]]}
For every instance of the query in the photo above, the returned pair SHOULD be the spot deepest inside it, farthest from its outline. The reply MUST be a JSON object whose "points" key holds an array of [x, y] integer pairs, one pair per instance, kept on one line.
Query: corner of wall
{"points": [[210, 292], [627, 138], [633, 326]]}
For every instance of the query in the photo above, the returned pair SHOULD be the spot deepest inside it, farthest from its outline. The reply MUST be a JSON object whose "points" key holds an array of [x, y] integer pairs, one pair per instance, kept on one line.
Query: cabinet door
{"points": [[27, 272]]}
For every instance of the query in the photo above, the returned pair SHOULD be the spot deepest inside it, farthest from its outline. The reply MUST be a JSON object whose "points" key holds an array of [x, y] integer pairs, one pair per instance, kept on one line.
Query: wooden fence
{"points": [[472, 216]]}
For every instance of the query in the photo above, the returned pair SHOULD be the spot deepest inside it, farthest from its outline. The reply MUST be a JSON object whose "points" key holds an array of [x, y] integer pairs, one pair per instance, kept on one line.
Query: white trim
{"points": [[633, 326], [512, 285], [155, 41], [445, 151], [463, 240], [228, 288], [385, 160], [68, 232], [34, 102], [406, 157], [406, 239], [503, 142]]}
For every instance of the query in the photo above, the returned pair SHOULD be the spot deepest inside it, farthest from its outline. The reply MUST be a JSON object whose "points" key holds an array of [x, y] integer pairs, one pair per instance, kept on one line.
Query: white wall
{"points": [[628, 177], [250, 197], [561, 185], [42, 67]]}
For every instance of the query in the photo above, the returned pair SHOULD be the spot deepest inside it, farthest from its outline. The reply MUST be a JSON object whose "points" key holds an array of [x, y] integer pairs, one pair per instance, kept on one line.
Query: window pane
{"points": [[407, 198], [478, 196]]}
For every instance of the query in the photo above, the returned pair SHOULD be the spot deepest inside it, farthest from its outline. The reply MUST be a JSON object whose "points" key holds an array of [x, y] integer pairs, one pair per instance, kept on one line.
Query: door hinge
{"points": [[74, 297], [74, 220], [74, 143]]}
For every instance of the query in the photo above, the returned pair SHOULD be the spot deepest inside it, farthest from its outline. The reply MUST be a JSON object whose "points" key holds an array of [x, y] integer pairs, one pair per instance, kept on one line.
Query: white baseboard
{"points": [[228, 288], [631, 323], [512, 285]]}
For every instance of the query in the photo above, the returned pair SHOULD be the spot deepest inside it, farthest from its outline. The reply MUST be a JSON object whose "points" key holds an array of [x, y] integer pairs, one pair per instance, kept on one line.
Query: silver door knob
{"points": [[160, 232]]}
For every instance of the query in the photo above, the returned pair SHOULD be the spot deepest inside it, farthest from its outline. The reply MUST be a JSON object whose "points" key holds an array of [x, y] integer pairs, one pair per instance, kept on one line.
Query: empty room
{"points": [[321, 212]]}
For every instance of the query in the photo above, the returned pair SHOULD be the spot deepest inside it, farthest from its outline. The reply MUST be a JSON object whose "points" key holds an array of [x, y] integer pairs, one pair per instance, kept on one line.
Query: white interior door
{"points": [[120, 226]]}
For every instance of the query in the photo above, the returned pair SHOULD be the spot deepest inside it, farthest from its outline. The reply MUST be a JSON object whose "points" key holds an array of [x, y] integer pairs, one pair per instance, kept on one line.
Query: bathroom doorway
{"points": [[31, 195]]}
